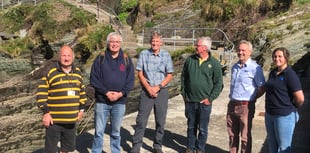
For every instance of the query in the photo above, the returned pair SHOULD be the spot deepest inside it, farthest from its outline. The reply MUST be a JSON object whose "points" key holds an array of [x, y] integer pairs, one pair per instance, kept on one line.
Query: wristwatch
{"points": [[160, 86]]}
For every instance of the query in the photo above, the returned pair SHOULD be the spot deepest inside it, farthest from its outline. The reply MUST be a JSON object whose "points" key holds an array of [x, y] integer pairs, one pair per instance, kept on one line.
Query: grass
{"points": [[301, 2], [14, 48]]}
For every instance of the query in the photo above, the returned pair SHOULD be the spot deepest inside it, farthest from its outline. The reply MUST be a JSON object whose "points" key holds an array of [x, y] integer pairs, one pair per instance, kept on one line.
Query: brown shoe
{"points": [[188, 150]]}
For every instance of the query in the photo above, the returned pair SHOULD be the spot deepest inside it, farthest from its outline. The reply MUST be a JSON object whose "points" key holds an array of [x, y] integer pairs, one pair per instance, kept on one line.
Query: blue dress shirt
{"points": [[245, 81]]}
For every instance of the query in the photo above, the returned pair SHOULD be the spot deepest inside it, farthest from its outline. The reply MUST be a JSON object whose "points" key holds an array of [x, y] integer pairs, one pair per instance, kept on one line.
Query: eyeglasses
{"points": [[115, 42]]}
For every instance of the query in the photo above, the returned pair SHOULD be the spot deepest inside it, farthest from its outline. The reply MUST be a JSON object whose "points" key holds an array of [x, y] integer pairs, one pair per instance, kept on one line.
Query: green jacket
{"points": [[201, 81]]}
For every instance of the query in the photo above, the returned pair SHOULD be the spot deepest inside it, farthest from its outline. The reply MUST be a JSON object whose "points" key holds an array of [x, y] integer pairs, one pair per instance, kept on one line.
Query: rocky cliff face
{"points": [[21, 129]]}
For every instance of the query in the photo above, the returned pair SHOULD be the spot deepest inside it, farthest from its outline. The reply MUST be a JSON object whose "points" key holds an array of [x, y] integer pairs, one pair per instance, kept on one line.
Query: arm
{"points": [[167, 79], [130, 78], [298, 98], [168, 73], [260, 82], [41, 96], [260, 91], [95, 77], [295, 88], [217, 82], [183, 81], [82, 101], [145, 84]]}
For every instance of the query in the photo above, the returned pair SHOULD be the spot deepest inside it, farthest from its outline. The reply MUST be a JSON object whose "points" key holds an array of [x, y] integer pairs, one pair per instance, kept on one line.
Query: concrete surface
{"points": [[175, 131]]}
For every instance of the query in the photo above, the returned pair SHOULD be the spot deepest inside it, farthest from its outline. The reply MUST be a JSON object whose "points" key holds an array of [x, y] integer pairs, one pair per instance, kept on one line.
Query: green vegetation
{"points": [[149, 24], [225, 10], [303, 1], [126, 8], [93, 40], [13, 19], [14, 48], [177, 53], [128, 5], [50, 21]]}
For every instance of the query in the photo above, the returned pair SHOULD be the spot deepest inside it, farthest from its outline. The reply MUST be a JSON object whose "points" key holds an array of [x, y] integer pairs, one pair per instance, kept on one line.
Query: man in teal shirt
{"points": [[202, 82]]}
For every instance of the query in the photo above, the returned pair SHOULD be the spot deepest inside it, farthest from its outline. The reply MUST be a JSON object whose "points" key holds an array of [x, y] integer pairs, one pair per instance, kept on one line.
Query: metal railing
{"points": [[114, 19], [177, 38], [108, 11], [8, 3]]}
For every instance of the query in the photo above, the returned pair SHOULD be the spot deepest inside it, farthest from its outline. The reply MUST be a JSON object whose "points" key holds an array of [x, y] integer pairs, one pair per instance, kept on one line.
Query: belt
{"points": [[236, 102]]}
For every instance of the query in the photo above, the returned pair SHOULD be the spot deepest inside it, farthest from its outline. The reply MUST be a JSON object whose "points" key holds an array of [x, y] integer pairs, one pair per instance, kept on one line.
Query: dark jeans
{"points": [[198, 116], [239, 122], [147, 103]]}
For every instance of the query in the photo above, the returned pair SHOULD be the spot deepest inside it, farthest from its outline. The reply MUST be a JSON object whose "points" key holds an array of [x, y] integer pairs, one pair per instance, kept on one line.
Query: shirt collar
{"points": [[246, 63], [152, 53], [58, 66]]}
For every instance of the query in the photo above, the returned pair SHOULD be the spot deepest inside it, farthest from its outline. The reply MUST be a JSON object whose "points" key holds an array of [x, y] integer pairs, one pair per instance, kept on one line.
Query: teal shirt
{"points": [[201, 81]]}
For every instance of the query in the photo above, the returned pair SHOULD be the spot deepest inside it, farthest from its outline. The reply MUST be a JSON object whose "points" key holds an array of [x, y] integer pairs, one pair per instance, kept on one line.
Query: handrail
{"points": [[111, 14], [119, 24], [4, 6], [175, 37], [177, 41]]}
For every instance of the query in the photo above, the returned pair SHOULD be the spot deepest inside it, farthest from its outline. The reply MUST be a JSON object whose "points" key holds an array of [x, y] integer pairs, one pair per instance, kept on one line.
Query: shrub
{"points": [[123, 16], [149, 24], [15, 47], [177, 53]]}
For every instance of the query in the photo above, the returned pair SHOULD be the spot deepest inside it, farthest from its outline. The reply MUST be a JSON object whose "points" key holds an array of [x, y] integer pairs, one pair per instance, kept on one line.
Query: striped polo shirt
{"points": [[61, 94]]}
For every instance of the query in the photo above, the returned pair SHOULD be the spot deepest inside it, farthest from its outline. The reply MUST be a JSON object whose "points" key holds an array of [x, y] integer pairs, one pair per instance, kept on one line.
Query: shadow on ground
{"points": [[171, 140]]}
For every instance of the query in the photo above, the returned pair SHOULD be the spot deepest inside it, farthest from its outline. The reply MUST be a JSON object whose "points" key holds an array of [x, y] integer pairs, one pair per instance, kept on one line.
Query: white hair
{"points": [[207, 41]]}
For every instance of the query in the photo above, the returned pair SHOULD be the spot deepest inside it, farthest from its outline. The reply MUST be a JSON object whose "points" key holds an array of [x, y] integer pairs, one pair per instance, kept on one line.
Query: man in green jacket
{"points": [[202, 82]]}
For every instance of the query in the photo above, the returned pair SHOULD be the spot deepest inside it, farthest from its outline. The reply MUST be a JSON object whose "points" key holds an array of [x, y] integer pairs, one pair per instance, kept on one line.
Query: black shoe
{"points": [[158, 151], [132, 151], [198, 151]]}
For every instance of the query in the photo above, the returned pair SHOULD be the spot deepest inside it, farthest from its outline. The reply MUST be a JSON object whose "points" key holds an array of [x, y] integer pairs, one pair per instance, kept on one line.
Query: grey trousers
{"points": [[147, 103]]}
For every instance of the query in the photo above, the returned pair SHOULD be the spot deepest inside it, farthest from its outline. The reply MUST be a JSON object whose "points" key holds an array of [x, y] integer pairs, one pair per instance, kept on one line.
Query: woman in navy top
{"points": [[283, 96]]}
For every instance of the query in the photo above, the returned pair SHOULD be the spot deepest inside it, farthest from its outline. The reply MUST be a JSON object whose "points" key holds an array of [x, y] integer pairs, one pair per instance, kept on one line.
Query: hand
{"points": [[114, 96], [47, 120], [80, 115], [206, 101], [153, 91]]}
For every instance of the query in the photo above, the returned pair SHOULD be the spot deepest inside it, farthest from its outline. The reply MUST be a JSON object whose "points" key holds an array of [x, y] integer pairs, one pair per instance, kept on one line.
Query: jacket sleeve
{"points": [[42, 95], [95, 75], [183, 77], [130, 78], [83, 98], [217, 81]]}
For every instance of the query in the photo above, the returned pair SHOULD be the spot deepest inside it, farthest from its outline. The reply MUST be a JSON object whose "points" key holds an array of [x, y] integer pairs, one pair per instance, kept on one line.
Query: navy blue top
{"points": [[112, 75], [279, 92]]}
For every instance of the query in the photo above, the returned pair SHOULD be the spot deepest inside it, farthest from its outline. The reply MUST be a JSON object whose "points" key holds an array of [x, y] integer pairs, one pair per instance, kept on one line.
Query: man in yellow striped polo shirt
{"points": [[61, 97]]}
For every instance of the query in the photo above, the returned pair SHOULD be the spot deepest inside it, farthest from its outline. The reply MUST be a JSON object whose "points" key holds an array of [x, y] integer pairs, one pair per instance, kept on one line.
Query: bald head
{"points": [[66, 56]]}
